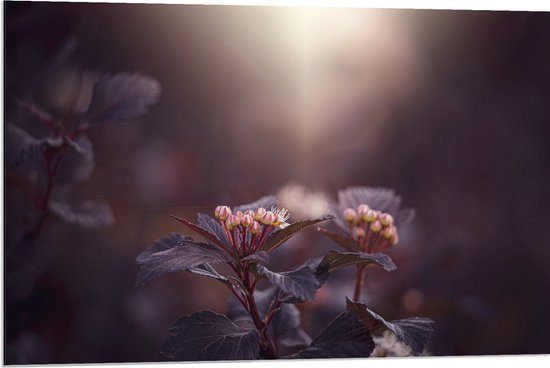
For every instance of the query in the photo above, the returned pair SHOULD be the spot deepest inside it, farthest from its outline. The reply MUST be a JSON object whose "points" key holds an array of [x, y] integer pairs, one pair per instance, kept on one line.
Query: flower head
{"points": [[371, 216], [246, 229]]}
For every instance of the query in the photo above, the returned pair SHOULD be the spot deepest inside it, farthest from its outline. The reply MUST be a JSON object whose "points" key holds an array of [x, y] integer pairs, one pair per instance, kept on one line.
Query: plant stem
{"points": [[266, 346], [358, 282], [51, 168]]}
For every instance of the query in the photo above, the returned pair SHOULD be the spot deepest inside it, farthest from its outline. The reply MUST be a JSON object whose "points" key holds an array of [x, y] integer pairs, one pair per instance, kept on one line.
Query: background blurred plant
{"points": [[42, 167]]}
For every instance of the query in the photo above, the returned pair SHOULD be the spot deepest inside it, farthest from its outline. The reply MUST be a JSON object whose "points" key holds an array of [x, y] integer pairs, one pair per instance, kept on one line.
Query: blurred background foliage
{"points": [[449, 108]]}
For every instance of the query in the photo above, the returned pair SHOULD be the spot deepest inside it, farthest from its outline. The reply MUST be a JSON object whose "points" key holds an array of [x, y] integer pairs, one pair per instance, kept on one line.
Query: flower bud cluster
{"points": [[258, 224], [373, 229]]}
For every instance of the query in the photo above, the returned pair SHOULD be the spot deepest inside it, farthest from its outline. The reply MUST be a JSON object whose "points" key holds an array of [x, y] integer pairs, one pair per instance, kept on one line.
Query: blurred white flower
{"points": [[303, 202], [387, 345]]}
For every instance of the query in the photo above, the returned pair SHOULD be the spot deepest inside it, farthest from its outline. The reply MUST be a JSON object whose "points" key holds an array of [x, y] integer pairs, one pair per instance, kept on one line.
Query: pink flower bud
{"points": [[246, 220], [360, 233], [228, 224], [376, 226], [362, 209], [394, 239], [234, 220], [386, 219], [239, 214], [255, 228], [259, 213], [268, 218], [369, 216], [250, 213], [388, 232], [350, 215], [223, 212]]}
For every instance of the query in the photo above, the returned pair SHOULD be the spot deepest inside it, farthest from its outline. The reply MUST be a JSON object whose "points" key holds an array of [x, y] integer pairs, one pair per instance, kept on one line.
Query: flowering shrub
{"points": [[265, 324]]}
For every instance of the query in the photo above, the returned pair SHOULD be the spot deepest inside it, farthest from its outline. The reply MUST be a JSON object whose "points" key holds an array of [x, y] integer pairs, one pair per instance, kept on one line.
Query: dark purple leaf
{"points": [[181, 253], [120, 97], [285, 327], [335, 259], [260, 257], [86, 214], [210, 336], [266, 202], [297, 286], [382, 199], [414, 332], [21, 147], [77, 162], [212, 225], [282, 235], [207, 234], [208, 271], [345, 241], [160, 245], [345, 337]]}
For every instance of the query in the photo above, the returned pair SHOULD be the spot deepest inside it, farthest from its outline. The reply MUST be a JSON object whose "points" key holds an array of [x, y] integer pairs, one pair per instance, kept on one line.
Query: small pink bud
{"points": [[246, 220], [268, 218], [350, 215], [386, 219], [369, 216], [228, 224], [255, 228], [234, 220], [217, 212], [239, 214], [362, 209], [388, 232], [376, 226], [360, 233], [223, 212], [249, 213], [259, 213]]}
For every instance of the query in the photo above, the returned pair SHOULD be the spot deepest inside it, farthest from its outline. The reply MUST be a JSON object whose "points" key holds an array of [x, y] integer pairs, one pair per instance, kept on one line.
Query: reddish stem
{"points": [[358, 282], [266, 345], [359, 278]]}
